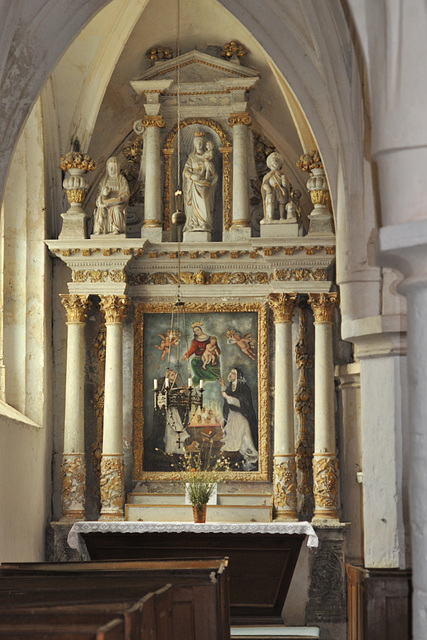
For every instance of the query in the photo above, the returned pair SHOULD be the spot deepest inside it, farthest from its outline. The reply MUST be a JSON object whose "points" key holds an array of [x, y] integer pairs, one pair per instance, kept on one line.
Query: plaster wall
{"points": [[25, 423]]}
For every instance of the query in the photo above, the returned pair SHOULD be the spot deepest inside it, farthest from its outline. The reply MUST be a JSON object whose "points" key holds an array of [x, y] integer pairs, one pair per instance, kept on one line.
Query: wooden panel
{"points": [[379, 604], [260, 565]]}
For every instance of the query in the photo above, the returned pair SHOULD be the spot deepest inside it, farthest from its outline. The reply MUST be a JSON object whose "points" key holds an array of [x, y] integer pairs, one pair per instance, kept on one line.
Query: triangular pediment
{"points": [[196, 67]]}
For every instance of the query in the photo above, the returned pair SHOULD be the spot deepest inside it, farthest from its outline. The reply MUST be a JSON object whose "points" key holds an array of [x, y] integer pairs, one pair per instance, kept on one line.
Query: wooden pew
{"points": [[198, 605]]}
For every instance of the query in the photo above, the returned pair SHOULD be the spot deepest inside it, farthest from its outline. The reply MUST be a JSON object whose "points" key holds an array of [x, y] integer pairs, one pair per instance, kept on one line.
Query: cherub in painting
{"points": [[170, 338], [246, 344]]}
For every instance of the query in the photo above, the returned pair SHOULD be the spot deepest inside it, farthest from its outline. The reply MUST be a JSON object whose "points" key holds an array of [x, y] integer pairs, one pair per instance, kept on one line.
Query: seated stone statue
{"points": [[111, 201], [274, 188]]}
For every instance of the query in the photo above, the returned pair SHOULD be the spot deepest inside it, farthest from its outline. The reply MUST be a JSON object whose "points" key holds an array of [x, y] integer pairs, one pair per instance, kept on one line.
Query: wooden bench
{"points": [[198, 596]]}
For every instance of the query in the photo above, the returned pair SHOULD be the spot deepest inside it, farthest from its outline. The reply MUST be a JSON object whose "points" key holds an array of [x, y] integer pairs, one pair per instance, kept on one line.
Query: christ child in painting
{"points": [[211, 353]]}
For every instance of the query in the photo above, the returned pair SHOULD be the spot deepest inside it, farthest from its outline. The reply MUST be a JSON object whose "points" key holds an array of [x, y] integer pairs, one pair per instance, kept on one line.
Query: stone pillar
{"points": [[73, 459], [325, 464], [152, 225], [112, 462], [284, 469], [241, 223]]}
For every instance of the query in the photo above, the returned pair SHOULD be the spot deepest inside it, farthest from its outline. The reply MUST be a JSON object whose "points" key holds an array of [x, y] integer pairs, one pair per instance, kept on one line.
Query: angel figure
{"points": [[171, 337], [246, 344]]}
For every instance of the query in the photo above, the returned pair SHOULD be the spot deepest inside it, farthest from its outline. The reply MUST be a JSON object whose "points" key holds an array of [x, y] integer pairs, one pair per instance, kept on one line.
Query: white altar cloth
{"points": [[76, 541]]}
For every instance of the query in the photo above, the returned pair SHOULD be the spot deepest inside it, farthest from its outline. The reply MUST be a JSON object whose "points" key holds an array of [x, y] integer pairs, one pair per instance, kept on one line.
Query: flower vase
{"points": [[199, 512]]}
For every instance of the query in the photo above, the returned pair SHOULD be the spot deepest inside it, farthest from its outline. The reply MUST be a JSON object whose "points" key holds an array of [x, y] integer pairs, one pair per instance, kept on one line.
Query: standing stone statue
{"points": [[275, 187], [111, 201], [200, 178]]}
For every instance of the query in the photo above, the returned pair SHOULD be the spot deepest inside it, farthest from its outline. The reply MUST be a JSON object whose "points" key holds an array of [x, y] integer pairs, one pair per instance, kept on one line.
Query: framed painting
{"points": [[219, 348]]}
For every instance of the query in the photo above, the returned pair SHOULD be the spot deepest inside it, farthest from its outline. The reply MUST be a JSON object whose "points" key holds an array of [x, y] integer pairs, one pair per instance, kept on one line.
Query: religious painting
{"points": [[200, 378]]}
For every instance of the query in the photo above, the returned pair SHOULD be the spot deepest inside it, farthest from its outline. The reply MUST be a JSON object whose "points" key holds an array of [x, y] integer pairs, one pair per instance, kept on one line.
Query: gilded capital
{"points": [[323, 305], [76, 306], [240, 118], [114, 308], [282, 305], [152, 121]]}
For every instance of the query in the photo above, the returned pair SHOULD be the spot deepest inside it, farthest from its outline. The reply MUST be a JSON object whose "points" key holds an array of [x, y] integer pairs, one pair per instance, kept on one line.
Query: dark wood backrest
{"points": [[197, 598]]}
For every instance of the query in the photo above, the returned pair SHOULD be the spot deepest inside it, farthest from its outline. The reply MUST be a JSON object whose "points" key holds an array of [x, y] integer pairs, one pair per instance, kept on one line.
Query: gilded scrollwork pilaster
{"points": [[325, 481], [114, 308], [76, 307], [112, 487], [96, 448], [285, 487], [304, 411], [73, 481]]}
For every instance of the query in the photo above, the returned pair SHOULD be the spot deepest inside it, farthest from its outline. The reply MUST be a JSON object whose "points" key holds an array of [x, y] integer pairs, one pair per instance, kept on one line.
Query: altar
{"points": [[262, 557]]}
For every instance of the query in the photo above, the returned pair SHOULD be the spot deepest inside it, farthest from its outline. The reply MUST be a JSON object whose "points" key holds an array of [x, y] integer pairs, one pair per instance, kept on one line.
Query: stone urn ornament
{"points": [[76, 186]]}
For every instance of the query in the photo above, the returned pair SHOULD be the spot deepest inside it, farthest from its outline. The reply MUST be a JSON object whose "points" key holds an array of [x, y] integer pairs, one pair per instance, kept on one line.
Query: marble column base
{"points": [[112, 487], [74, 226], [279, 229], [285, 487], [197, 236], [73, 476]]}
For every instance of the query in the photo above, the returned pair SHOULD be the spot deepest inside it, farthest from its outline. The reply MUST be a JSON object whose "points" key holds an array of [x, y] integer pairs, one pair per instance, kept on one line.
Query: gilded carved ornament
{"points": [[73, 480], [325, 478], [150, 121], [233, 48], [285, 484], [97, 275], [112, 484], [282, 305], [114, 308], [309, 161], [240, 118], [159, 53], [323, 305], [76, 306]]}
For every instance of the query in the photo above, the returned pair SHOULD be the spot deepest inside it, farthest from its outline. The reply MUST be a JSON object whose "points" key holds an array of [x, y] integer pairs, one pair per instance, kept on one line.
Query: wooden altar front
{"points": [[262, 557]]}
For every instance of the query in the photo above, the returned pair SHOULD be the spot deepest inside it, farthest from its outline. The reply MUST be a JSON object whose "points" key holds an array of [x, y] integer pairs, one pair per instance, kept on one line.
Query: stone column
{"points": [[284, 469], [325, 464], [152, 224], [112, 462], [241, 223], [73, 459]]}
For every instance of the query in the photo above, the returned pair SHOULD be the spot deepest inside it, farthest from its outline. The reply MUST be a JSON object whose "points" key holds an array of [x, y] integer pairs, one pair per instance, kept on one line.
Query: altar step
{"points": [[170, 507], [278, 632]]}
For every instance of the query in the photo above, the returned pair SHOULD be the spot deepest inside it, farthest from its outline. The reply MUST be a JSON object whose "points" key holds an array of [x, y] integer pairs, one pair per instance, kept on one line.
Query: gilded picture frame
{"points": [[164, 339]]}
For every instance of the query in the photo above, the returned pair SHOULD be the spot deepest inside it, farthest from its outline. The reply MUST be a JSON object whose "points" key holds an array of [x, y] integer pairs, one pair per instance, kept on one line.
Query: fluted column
{"points": [[152, 195], [73, 459], [325, 464], [284, 469], [240, 122], [112, 462]]}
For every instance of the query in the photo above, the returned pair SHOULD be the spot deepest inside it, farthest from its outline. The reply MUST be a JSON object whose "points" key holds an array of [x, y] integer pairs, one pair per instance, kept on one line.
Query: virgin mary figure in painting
{"points": [[203, 367], [240, 421]]}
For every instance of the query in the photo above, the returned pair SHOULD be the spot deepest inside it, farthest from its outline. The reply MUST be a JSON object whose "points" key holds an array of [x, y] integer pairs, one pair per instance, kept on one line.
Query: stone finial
{"points": [[159, 53], [232, 50], [309, 161]]}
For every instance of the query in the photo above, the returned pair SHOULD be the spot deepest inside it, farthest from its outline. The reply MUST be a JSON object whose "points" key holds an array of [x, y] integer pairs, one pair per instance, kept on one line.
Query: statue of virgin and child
{"points": [[200, 179]]}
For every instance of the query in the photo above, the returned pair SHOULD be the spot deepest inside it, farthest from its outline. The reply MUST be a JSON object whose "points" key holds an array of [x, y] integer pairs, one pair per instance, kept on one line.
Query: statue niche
{"points": [[200, 172]]}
